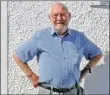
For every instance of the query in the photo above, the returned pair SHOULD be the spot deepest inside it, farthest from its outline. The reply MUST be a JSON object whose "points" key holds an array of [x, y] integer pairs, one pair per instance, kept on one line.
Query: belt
{"points": [[59, 90]]}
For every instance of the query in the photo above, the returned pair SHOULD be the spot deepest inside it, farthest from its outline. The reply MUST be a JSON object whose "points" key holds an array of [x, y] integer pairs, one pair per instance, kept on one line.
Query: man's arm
{"points": [[92, 63], [26, 69]]}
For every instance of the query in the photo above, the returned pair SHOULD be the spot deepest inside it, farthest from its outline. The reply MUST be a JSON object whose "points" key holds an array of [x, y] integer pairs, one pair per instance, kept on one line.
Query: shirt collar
{"points": [[54, 33]]}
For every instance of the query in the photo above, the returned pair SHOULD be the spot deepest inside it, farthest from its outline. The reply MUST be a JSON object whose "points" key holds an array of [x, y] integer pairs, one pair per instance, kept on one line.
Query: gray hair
{"points": [[60, 4]]}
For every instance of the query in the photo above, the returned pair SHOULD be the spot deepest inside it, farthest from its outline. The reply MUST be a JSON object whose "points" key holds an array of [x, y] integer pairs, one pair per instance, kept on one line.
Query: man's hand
{"points": [[34, 79], [83, 73]]}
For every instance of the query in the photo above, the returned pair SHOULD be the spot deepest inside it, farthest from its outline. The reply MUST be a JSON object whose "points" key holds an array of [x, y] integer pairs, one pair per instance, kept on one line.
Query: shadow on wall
{"points": [[98, 81]]}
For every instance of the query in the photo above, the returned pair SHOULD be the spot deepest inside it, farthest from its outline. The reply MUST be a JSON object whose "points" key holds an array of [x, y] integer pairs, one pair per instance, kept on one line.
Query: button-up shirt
{"points": [[58, 57]]}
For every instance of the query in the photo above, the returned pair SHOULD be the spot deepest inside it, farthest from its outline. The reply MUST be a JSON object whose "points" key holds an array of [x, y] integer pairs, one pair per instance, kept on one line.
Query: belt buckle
{"points": [[61, 90]]}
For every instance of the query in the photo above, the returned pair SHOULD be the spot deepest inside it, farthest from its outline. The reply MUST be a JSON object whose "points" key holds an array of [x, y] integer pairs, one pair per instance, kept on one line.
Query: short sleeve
{"points": [[90, 49], [28, 49]]}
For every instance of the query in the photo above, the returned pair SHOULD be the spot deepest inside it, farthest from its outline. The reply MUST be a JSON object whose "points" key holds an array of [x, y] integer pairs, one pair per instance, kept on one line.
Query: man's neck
{"points": [[61, 33]]}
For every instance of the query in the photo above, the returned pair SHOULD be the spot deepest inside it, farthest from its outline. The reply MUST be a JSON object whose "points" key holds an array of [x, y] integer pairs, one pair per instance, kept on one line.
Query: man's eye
{"points": [[55, 15]]}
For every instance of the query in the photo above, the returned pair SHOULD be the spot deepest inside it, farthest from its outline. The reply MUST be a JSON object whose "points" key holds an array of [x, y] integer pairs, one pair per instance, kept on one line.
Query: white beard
{"points": [[61, 30]]}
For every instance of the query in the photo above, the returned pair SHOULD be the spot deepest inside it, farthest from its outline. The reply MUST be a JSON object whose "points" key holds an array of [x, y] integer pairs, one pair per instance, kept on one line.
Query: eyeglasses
{"points": [[56, 15]]}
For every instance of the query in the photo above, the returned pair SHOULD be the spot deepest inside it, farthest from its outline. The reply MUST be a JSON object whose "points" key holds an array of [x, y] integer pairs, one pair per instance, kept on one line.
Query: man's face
{"points": [[59, 17]]}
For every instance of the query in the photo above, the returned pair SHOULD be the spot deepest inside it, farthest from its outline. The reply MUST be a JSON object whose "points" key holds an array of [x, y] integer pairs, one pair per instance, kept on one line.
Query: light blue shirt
{"points": [[58, 58]]}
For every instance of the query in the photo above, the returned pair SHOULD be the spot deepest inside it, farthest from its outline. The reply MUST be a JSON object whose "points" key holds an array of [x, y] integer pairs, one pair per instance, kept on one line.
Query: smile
{"points": [[60, 23]]}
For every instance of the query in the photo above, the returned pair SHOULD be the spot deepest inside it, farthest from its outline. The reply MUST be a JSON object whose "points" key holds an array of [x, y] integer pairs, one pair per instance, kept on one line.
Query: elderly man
{"points": [[59, 51]]}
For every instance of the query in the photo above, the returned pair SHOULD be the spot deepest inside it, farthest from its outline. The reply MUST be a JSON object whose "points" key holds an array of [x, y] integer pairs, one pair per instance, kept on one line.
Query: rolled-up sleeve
{"points": [[90, 49], [28, 49]]}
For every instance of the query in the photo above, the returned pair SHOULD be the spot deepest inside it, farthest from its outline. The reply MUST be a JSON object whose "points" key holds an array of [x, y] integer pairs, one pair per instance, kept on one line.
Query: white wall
{"points": [[26, 17]]}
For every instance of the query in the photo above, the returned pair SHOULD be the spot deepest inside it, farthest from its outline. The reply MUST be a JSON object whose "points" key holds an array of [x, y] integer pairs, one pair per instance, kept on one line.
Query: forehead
{"points": [[58, 9]]}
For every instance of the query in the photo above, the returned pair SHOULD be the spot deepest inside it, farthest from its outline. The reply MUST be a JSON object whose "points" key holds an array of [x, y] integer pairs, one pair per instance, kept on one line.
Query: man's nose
{"points": [[59, 17]]}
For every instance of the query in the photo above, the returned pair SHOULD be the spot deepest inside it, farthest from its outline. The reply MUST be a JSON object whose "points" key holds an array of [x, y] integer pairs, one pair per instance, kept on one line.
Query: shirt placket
{"points": [[65, 69]]}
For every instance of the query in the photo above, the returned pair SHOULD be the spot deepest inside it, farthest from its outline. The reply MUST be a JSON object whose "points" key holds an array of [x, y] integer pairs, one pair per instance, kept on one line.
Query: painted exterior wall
{"points": [[26, 17]]}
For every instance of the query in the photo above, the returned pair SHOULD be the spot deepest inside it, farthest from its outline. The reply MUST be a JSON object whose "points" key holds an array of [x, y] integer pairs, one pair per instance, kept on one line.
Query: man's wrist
{"points": [[88, 68], [30, 75]]}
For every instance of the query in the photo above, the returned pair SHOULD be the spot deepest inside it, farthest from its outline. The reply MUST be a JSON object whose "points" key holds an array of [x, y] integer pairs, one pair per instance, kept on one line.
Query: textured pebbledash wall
{"points": [[26, 17]]}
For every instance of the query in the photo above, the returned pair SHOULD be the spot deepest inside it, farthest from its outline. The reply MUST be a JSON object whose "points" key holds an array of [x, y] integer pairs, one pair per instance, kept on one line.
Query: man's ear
{"points": [[69, 15], [48, 16]]}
